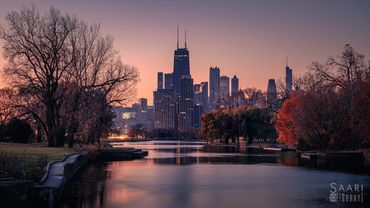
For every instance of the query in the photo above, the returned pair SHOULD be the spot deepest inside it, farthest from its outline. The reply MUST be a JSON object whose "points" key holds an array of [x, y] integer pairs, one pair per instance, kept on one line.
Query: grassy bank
{"points": [[24, 161]]}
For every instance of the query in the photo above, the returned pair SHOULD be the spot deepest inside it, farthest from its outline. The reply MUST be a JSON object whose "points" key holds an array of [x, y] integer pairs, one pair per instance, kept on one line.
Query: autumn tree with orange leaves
{"points": [[332, 111]]}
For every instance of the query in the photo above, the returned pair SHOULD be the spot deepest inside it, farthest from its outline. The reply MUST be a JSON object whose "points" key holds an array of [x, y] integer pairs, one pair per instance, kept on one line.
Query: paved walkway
{"points": [[55, 177]]}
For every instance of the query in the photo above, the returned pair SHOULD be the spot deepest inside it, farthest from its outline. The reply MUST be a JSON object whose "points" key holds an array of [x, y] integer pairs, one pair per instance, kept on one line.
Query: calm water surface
{"points": [[183, 174]]}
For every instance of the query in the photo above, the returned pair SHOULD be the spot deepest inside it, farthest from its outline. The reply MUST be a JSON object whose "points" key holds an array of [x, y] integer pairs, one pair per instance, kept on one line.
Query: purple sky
{"points": [[248, 38]]}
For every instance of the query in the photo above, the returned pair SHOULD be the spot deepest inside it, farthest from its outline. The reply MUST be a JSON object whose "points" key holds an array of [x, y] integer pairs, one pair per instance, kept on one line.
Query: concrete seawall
{"points": [[58, 173]]}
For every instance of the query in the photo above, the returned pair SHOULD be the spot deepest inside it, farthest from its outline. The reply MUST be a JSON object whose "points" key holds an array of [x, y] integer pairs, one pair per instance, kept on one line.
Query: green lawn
{"points": [[24, 161]]}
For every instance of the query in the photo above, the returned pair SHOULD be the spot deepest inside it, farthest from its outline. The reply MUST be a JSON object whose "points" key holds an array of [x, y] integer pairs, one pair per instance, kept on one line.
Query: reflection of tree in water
{"points": [[287, 158], [87, 188], [222, 149], [247, 159], [179, 150], [177, 160]]}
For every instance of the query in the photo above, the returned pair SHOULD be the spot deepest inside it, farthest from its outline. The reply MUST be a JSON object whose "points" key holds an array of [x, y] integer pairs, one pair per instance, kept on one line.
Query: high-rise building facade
{"points": [[234, 86], [224, 87], [197, 94], [160, 80], [165, 111], [185, 114], [214, 86], [181, 64], [197, 115], [168, 81], [288, 79], [271, 92]]}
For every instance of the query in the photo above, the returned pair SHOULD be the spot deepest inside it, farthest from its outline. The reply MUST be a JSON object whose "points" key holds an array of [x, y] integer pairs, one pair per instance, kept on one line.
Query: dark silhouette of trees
{"points": [[6, 105], [68, 70], [137, 131], [256, 124], [163, 133], [17, 130], [249, 123]]}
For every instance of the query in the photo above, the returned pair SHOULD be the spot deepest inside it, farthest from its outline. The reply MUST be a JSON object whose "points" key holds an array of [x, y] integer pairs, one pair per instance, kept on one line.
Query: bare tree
{"points": [[254, 98], [6, 110], [346, 74], [55, 59]]}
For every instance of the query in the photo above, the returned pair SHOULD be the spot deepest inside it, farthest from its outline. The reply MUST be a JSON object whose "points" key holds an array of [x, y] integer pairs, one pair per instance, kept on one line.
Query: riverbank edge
{"points": [[361, 153], [23, 192]]}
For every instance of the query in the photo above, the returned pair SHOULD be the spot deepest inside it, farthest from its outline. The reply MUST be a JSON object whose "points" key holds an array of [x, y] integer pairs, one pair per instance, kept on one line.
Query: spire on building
{"points": [[177, 37], [286, 60], [185, 39]]}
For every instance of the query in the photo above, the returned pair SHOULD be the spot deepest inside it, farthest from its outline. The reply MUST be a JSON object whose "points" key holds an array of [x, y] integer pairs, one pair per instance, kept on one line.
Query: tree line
{"points": [[332, 112], [229, 125], [63, 76], [328, 110]]}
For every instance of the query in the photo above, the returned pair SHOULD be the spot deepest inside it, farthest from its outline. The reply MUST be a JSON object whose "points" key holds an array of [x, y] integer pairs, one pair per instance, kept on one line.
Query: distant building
{"points": [[234, 86], [271, 92], [204, 93], [224, 87], [185, 116], [143, 104], [235, 91], [197, 94], [214, 86], [288, 79], [201, 95], [197, 115], [126, 117], [160, 80], [165, 109], [168, 81], [136, 107]]}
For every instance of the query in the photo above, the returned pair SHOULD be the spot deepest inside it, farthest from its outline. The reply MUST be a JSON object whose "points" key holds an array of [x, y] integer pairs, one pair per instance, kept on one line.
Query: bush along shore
{"points": [[29, 177]]}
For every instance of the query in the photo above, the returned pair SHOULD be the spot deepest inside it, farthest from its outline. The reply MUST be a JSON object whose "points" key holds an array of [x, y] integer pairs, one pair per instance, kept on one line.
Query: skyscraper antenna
{"points": [[185, 39], [177, 36], [286, 60]]}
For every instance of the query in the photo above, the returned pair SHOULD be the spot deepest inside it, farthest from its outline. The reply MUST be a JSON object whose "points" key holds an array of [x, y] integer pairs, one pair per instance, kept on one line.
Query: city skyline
{"points": [[254, 31]]}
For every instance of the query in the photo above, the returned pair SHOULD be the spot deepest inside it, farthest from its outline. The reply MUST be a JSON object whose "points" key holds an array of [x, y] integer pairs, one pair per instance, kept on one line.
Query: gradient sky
{"points": [[248, 38]]}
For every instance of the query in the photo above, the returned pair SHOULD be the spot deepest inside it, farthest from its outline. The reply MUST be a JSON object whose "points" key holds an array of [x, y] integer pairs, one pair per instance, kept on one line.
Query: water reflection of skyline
{"points": [[193, 176], [187, 153]]}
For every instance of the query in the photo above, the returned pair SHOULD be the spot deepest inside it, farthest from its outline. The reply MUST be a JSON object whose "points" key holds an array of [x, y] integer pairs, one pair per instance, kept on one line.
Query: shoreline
{"points": [[57, 173]]}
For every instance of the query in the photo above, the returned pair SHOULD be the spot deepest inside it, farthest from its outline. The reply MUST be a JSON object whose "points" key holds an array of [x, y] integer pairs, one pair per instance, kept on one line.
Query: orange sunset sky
{"points": [[247, 38]]}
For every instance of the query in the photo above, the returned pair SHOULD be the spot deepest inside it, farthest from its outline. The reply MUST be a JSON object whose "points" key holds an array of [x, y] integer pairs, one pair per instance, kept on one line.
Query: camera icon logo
{"points": [[333, 197]]}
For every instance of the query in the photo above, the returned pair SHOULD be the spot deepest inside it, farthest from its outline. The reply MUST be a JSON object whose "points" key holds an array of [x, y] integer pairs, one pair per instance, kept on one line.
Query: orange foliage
{"points": [[287, 124]]}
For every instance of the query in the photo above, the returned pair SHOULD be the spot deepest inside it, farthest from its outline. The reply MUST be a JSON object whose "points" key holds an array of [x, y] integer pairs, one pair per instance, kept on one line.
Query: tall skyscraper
{"points": [[160, 80], [288, 79], [181, 66], [214, 84], [234, 86], [224, 87], [271, 92], [168, 81], [174, 104], [186, 104], [165, 113]]}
